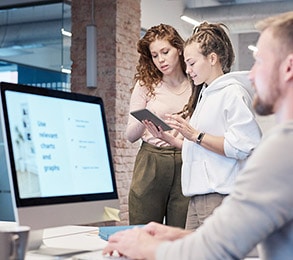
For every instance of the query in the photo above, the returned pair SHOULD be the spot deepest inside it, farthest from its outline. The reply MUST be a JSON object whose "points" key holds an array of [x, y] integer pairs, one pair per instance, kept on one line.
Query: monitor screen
{"points": [[58, 156]]}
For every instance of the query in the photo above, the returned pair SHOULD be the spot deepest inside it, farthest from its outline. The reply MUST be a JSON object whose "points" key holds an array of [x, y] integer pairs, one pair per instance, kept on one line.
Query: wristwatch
{"points": [[200, 137]]}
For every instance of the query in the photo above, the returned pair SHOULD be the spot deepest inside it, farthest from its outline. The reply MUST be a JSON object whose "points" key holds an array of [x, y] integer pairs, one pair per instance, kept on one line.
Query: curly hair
{"points": [[147, 73], [213, 38]]}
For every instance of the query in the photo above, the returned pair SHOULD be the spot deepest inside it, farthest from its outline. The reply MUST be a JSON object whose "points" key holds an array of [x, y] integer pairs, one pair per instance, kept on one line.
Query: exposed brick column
{"points": [[118, 30]]}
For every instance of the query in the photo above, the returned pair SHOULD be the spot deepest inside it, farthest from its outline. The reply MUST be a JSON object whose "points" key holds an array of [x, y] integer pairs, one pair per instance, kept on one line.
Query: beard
{"points": [[266, 106], [262, 108]]}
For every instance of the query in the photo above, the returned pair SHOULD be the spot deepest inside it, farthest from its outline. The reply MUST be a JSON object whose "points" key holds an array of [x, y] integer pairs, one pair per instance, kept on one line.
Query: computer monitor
{"points": [[58, 156]]}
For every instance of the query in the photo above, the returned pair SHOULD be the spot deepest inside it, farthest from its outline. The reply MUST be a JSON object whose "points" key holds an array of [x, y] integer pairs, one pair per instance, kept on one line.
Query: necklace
{"points": [[181, 90]]}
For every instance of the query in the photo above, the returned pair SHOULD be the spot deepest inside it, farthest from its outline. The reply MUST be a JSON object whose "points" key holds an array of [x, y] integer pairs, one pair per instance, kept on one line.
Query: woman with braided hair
{"points": [[222, 131]]}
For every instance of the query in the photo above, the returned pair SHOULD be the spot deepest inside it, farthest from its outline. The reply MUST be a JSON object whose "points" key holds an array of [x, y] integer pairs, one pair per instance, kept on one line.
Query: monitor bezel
{"points": [[52, 200]]}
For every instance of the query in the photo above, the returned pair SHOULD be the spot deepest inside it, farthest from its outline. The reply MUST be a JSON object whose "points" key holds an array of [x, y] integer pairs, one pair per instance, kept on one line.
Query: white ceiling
{"points": [[154, 12], [239, 15]]}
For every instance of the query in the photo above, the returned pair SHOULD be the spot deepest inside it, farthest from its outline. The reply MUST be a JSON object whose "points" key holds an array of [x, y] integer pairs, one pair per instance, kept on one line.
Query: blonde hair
{"points": [[282, 29]]}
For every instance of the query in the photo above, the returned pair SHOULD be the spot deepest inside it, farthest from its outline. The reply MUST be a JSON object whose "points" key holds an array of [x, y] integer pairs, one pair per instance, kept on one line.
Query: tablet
{"points": [[145, 114]]}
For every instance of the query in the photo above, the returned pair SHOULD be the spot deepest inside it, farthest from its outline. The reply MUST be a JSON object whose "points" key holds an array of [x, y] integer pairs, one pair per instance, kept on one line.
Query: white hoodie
{"points": [[225, 109]]}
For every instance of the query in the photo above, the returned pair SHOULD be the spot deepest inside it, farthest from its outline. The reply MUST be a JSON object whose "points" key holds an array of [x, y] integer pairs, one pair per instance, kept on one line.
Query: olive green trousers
{"points": [[155, 192]]}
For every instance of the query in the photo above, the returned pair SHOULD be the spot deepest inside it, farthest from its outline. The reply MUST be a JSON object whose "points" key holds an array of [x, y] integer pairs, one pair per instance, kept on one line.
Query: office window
{"points": [[36, 37]]}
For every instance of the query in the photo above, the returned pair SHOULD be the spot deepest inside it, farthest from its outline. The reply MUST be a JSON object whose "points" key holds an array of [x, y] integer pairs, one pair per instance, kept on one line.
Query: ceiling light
{"points": [[66, 33], [68, 71], [189, 20], [252, 48]]}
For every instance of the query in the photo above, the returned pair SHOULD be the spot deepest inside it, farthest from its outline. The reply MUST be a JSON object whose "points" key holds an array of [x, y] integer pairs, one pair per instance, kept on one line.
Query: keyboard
{"points": [[97, 255]]}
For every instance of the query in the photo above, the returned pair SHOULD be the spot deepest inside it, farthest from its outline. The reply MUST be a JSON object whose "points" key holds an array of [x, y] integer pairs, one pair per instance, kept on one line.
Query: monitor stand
{"points": [[35, 239]]}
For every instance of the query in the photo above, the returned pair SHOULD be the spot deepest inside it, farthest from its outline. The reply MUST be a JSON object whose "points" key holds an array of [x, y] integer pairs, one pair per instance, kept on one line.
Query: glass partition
{"points": [[36, 38]]}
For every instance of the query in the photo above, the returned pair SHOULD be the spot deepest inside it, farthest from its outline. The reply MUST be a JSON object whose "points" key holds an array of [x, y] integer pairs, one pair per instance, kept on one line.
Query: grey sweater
{"points": [[259, 211]]}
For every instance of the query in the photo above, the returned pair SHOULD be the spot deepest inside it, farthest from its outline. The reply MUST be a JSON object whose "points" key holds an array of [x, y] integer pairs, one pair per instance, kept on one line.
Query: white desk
{"points": [[79, 238]]}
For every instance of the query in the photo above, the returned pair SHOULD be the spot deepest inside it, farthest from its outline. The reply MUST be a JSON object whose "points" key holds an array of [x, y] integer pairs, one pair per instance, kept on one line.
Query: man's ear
{"points": [[288, 66]]}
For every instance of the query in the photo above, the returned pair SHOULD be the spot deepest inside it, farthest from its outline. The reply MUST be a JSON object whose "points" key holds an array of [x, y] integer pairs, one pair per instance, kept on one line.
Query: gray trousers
{"points": [[200, 207], [155, 191]]}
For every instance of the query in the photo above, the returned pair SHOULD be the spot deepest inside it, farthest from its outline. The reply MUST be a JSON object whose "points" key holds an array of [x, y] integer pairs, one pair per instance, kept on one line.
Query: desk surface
{"points": [[67, 241], [83, 243]]}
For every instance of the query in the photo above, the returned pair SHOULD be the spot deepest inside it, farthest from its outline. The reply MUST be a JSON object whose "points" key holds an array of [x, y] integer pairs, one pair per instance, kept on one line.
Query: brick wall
{"points": [[118, 30]]}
